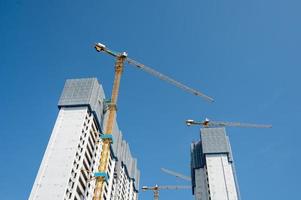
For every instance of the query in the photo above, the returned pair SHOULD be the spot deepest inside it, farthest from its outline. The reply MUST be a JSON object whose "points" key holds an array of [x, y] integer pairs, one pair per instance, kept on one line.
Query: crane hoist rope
{"points": [[121, 58]]}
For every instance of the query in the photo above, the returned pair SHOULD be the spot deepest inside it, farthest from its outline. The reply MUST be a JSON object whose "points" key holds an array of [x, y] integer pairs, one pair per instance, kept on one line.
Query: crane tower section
{"points": [[212, 167]]}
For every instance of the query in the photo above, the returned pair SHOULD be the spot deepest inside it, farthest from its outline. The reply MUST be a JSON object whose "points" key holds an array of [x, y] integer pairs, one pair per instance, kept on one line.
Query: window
{"points": [[82, 183], [78, 191]]}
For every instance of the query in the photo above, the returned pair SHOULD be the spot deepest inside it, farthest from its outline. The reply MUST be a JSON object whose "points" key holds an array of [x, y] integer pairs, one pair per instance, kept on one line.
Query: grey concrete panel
{"points": [[83, 92], [133, 168], [197, 156], [230, 156], [137, 179], [214, 140], [77, 92]]}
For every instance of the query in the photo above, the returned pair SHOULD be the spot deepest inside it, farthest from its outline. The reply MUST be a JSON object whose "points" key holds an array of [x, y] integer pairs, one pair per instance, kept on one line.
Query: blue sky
{"points": [[245, 54]]}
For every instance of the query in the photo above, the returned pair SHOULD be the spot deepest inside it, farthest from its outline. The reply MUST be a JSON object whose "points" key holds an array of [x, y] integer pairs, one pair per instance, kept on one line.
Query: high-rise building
{"points": [[70, 163], [212, 168]]}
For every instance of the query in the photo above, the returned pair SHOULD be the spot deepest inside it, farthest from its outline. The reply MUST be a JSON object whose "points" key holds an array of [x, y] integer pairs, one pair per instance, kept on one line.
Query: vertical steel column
{"points": [[156, 194]]}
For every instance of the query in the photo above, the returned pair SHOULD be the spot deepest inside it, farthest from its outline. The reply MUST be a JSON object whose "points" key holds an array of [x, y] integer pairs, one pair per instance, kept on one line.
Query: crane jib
{"points": [[168, 79]]}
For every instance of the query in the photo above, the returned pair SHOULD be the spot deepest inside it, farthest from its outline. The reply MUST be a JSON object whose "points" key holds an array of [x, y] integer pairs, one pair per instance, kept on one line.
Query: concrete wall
{"points": [[52, 179], [212, 167]]}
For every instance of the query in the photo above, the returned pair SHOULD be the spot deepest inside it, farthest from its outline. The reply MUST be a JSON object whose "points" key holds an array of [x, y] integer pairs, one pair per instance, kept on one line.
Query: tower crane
{"points": [[156, 189], [121, 58], [210, 124]]}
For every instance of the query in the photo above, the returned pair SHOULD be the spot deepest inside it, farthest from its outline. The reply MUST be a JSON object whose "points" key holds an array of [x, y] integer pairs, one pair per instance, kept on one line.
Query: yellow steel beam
{"points": [[105, 153]]}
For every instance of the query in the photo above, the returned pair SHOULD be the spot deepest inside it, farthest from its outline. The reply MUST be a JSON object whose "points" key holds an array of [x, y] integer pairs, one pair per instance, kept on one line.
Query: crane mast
{"points": [[110, 123], [156, 194]]}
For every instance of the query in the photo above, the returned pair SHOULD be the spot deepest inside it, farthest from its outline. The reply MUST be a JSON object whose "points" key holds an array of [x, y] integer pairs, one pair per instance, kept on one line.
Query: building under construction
{"points": [[87, 158], [212, 168], [69, 168]]}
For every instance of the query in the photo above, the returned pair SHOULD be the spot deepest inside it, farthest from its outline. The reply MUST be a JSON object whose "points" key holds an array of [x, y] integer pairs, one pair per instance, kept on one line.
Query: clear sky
{"points": [[245, 54]]}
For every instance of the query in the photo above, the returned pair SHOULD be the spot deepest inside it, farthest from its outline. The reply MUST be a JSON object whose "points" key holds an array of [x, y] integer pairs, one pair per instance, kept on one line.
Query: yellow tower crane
{"points": [[107, 137], [156, 189]]}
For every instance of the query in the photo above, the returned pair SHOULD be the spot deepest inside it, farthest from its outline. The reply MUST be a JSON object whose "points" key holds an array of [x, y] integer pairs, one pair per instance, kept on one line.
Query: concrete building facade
{"points": [[73, 152], [212, 168]]}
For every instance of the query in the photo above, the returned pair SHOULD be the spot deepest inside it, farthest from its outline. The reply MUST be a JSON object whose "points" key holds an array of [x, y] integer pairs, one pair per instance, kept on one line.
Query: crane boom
{"points": [[166, 187], [238, 124], [156, 189], [208, 123], [168, 79], [174, 187], [176, 174], [149, 70]]}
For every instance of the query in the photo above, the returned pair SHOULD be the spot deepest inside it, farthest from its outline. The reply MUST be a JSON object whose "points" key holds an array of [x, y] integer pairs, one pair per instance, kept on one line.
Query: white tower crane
{"points": [[210, 124], [156, 189]]}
